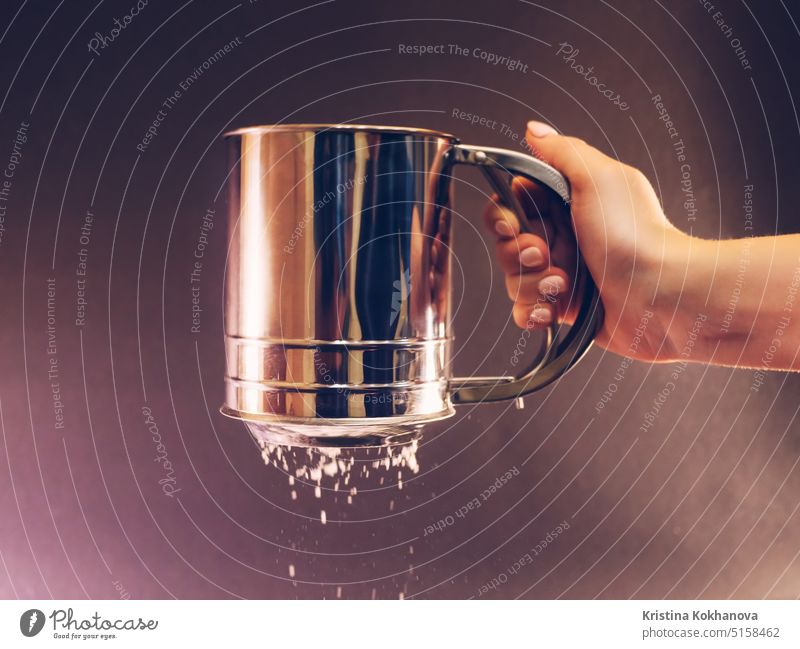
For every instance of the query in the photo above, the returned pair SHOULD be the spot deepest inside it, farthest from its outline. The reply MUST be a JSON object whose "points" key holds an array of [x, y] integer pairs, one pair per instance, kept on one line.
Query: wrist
{"points": [[681, 302]]}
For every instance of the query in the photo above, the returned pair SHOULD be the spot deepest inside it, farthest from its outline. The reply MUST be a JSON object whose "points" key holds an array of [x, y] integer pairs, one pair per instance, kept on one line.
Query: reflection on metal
{"points": [[338, 293]]}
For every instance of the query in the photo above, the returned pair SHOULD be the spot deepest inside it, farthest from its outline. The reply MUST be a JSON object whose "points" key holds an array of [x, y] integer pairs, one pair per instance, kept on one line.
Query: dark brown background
{"points": [[702, 505]]}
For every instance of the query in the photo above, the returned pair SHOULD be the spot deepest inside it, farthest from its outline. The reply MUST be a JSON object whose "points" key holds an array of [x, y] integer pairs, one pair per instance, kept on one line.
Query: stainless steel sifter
{"points": [[338, 287]]}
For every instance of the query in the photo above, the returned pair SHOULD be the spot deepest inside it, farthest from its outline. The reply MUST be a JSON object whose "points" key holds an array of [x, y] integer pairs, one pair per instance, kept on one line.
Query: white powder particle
{"points": [[317, 465]]}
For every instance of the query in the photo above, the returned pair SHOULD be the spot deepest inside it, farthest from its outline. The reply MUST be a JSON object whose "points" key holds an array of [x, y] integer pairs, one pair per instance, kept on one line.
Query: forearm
{"points": [[741, 298]]}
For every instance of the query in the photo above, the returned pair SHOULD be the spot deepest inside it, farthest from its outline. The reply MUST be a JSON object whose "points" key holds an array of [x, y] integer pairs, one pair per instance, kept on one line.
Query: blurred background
{"points": [[118, 476]]}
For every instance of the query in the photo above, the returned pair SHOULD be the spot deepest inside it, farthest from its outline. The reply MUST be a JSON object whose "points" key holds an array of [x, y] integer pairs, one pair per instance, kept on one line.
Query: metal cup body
{"points": [[338, 285]]}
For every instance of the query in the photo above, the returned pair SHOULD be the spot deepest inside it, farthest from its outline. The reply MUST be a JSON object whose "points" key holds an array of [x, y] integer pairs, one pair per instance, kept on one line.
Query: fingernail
{"points": [[503, 229], [540, 129], [552, 285], [541, 315], [531, 257]]}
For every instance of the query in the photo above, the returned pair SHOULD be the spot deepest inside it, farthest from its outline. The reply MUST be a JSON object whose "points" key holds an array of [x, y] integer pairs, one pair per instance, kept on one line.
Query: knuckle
{"points": [[521, 318], [610, 173], [636, 177]]}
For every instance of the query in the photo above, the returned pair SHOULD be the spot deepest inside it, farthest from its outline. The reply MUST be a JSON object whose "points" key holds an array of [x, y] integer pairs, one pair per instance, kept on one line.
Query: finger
{"points": [[549, 217], [536, 202], [533, 197], [524, 254], [571, 156], [549, 285], [533, 315], [501, 220]]}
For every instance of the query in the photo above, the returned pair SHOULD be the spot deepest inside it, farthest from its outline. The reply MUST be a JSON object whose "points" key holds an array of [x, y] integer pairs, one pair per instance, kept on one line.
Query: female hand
{"points": [[667, 295], [622, 232]]}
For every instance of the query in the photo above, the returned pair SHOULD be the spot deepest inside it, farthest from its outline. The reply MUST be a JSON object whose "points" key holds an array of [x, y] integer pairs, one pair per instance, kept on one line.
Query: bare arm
{"points": [[734, 302], [750, 291]]}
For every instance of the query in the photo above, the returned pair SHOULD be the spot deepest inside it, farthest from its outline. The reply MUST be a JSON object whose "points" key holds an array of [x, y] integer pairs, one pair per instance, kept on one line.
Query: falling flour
{"points": [[338, 466]]}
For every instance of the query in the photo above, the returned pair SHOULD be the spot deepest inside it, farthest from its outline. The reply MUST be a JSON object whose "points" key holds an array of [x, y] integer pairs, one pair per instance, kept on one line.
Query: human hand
{"points": [[624, 238]]}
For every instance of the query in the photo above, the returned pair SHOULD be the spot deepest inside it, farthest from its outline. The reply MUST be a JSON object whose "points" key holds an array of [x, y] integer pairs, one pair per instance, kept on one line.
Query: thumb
{"points": [[570, 155]]}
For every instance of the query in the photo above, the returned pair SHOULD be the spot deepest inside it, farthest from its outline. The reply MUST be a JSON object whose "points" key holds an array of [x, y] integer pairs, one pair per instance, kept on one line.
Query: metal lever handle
{"points": [[500, 166]]}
